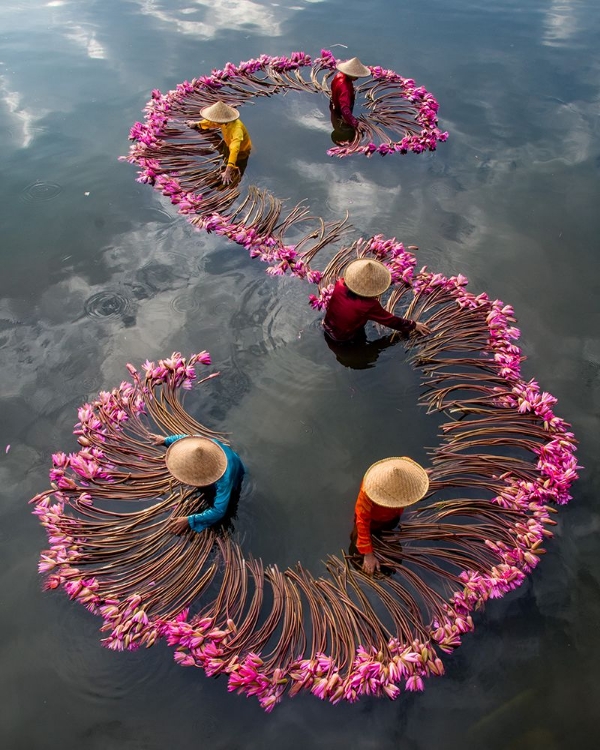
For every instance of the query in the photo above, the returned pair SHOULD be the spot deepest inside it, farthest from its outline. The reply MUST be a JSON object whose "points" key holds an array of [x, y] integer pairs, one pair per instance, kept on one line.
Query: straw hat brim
{"points": [[396, 482], [195, 460], [220, 112], [367, 277], [353, 68]]}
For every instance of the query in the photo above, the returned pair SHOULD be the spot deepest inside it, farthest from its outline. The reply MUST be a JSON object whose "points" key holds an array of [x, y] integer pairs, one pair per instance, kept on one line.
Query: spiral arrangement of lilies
{"points": [[504, 463]]}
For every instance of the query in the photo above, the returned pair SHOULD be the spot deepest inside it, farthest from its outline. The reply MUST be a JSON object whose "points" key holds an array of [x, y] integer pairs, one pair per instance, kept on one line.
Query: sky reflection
{"points": [[85, 38], [214, 16], [561, 22], [19, 116]]}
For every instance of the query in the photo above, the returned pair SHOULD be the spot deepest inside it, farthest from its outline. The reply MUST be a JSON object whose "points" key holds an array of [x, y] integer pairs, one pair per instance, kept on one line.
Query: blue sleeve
{"points": [[172, 439], [224, 487]]}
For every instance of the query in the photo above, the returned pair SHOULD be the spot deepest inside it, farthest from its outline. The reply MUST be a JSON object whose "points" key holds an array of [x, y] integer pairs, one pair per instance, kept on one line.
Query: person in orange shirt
{"points": [[388, 486], [236, 141]]}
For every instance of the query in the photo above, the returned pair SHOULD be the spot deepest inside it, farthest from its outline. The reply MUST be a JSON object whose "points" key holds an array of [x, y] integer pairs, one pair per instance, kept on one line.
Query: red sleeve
{"points": [[345, 102], [379, 315], [362, 519], [341, 91]]}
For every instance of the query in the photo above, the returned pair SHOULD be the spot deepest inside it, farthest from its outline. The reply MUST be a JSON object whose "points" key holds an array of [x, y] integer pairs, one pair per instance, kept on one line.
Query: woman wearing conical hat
{"points": [[342, 92], [355, 301], [235, 136], [202, 462], [389, 486]]}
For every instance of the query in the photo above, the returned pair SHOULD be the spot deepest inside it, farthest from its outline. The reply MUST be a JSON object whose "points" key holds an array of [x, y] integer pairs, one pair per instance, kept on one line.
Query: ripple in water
{"points": [[77, 367], [106, 305], [41, 191], [139, 291], [182, 263], [161, 215], [90, 669], [158, 277], [184, 303]]}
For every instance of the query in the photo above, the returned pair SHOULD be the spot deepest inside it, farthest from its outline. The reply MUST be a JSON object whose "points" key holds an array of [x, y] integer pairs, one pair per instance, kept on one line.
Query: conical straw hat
{"points": [[396, 482], [219, 112], [367, 277], [196, 460], [354, 68]]}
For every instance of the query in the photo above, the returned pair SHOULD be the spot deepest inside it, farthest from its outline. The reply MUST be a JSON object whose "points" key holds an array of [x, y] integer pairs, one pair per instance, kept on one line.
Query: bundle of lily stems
{"points": [[503, 464]]}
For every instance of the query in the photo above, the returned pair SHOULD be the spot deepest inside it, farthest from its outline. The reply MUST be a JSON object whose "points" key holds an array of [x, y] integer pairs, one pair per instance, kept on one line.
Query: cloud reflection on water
{"points": [[213, 16], [24, 117], [86, 38]]}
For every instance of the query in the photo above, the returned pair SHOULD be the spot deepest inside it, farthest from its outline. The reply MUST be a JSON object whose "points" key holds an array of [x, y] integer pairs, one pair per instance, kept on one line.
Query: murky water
{"points": [[98, 270]]}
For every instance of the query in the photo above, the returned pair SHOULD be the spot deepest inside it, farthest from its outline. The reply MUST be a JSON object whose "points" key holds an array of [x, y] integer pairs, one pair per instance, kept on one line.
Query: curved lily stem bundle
{"points": [[503, 462]]}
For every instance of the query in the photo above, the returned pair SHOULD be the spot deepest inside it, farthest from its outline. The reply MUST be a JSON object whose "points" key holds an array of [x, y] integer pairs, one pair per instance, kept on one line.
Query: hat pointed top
{"points": [[354, 68], [196, 460], [396, 482], [367, 277], [220, 112]]}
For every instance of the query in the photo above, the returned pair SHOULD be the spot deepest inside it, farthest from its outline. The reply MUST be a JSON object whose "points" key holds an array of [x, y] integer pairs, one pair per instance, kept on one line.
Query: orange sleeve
{"points": [[362, 519]]}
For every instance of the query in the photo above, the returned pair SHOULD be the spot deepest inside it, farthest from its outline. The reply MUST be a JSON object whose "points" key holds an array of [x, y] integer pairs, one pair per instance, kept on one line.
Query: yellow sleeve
{"points": [[237, 136]]}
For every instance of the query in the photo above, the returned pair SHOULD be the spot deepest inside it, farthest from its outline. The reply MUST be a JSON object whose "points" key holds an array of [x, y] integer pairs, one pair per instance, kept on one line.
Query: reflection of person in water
{"points": [[355, 301], [236, 144], [206, 463], [361, 354], [388, 486], [341, 132], [341, 105]]}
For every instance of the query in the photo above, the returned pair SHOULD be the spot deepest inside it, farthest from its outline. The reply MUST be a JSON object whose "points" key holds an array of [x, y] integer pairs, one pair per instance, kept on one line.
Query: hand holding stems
{"points": [[422, 329], [191, 123], [229, 174], [178, 525], [370, 564], [360, 130]]}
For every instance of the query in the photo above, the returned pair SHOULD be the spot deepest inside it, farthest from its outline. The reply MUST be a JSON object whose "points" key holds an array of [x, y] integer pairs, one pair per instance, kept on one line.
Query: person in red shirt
{"points": [[342, 93], [355, 301], [388, 486]]}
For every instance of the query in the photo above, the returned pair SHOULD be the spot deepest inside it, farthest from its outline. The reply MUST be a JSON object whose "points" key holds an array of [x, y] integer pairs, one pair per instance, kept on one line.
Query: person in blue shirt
{"points": [[202, 462]]}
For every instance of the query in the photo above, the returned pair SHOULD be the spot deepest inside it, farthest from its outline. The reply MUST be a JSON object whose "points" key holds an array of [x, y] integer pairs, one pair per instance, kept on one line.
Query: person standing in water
{"points": [[355, 301], [341, 105], [388, 486], [236, 144], [207, 463]]}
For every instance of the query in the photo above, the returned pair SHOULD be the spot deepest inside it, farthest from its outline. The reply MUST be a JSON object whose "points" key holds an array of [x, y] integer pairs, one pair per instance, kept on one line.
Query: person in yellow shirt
{"points": [[236, 141]]}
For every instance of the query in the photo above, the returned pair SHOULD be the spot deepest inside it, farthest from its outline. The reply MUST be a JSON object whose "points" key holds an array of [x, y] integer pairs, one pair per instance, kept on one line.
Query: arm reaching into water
{"points": [[223, 489]]}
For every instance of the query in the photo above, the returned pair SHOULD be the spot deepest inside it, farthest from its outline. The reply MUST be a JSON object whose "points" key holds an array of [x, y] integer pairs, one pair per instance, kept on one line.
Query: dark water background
{"points": [[98, 270]]}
